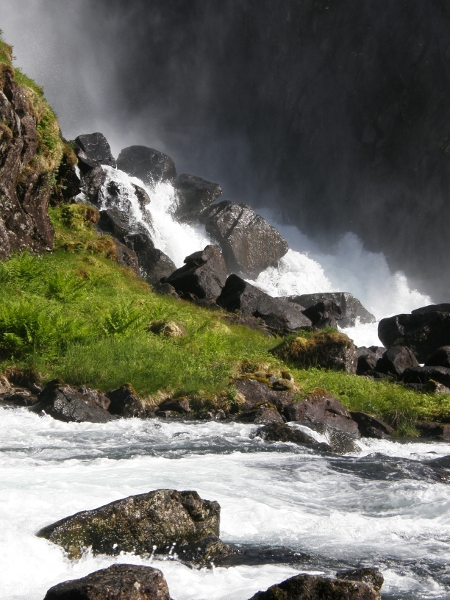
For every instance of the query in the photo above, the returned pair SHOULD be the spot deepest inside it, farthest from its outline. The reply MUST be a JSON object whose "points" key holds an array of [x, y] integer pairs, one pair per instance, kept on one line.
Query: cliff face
{"points": [[30, 152]]}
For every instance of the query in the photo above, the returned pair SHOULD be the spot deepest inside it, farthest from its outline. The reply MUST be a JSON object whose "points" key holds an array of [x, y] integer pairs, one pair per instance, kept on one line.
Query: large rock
{"points": [[423, 332], [395, 360], [320, 407], [65, 403], [328, 350], [423, 375], [249, 244], [280, 432], [367, 360], [279, 315], [440, 358], [443, 307], [93, 150], [124, 402], [351, 307], [117, 582], [324, 314], [202, 277], [156, 522], [256, 392], [147, 164], [194, 194], [370, 426], [315, 587]]}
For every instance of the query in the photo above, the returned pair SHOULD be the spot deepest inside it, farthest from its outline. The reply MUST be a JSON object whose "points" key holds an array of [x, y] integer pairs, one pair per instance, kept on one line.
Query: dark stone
{"points": [[369, 575], [256, 392], [126, 257], [280, 432], [203, 275], [367, 360], [371, 427], [147, 164], [261, 413], [395, 360], [423, 333], [324, 314], [68, 183], [315, 587], [167, 519], [66, 403], [154, 265], [444, 307], [425, 374], [205, 552], [351, 307], [126, 403], [430, 429], [279, 315], [378, 350], [117, 582], [194, 194], [179, 405], [322, 407], [440, 358], [92, 150], [249, 244], [18, 397], [92, 183]]}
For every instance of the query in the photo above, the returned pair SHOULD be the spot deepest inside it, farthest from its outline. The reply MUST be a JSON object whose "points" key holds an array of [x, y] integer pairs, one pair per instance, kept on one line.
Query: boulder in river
{"points": [[433, 430], [316, 587], [66, 403], [281, 432], [351, 307], [194, 194], [279, 315], [255, 392], [93, 150], [249, 244], [147, 164], [263, 412], [370, 426], [117, 582], [124, 402], [158, 522]]}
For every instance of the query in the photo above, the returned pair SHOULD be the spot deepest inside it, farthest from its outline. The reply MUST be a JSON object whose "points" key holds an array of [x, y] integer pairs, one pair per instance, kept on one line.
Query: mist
{"points": [[336, 114]]}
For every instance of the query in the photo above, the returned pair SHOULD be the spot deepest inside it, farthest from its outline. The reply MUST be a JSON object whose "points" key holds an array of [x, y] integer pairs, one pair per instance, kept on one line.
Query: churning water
{"points": [[385, 506]]}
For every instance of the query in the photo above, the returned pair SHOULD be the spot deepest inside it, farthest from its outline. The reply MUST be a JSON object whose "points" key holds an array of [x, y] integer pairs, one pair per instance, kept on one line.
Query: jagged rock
{"points": [[165, 519], [422, 332], [426, 374], [249, 244], [126, 257], [202, 276], [65, 403], [395, 360], [179, 405], [280, 432], [255, 391], [369, 575], [263, 412], [371, 427], [279, 315], [92, 183], [437, 431], [440, 358], [351, 307], [194, 194], [321, 407], [324, 314], [92, 150], [367, 360], [154, 265], [315, 587], [117, 582], [167, 329], [147, 164], [328, 350], [124, 402]]}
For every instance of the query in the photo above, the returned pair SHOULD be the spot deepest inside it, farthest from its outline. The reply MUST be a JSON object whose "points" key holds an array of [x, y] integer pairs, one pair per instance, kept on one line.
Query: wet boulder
{"points": [[154, 264], [368, 575], [263, 412], [249, 244], [422, 332], [351, 307], [439, 358], [202, 277], [320, 407], [124, 402], [66, 403], [279, 315], [370, 426], [280, 432], [324, 314], [117, 582], [395, 360], [147, 164], [158, 522], [255, 392], [92, 183], [194, 194], [316, 587], [328, 350], [433, 430], [92, 150]]}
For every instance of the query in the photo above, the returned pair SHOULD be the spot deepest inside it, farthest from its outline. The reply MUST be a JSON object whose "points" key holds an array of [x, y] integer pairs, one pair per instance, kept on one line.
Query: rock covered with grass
{"points": [[161, 522]]}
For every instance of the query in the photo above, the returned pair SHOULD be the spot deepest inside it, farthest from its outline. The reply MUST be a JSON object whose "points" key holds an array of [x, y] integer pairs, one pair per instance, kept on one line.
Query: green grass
{"points": [[78, 315]]}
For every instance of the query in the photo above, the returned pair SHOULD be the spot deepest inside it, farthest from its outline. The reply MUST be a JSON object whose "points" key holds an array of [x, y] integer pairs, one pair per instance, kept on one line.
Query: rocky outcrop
{"points": [[324, 314], [263, 412], [194, 194], [368, 358], [255, 392], [124, 402], [66, 403], [315, 587], [117, 582], [279, 315], [147, 164], [156, 522], [351, 308], [433, 430], [395, 360], [370, 426], [249, 244], [424, 375], [202, 277], [93, 150], [422, 332]]}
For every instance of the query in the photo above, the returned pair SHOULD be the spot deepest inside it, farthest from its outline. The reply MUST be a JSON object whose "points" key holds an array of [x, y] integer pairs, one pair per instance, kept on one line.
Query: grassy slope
{"points": [[78, 315]]}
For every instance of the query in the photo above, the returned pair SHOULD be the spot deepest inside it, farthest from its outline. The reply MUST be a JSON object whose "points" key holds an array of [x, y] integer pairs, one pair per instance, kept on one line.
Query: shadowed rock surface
{"points": [[93, 150], [371, 426], [440, 358], [147, 164], [117, 582], [124, 402], [194, 194], [351, 307], [162, 518], [395, 360]]}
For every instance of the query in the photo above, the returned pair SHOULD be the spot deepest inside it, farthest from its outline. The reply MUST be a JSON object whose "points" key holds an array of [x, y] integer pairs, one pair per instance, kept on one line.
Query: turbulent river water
{"points": [[290, 509]]}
